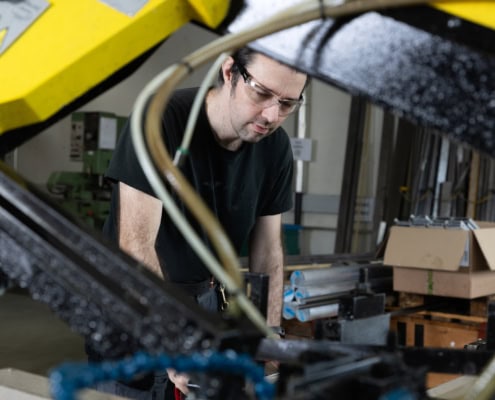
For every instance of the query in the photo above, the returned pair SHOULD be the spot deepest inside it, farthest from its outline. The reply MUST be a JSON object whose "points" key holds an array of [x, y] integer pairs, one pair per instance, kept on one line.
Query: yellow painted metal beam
{"points": [[479, 12], [75, 45]]}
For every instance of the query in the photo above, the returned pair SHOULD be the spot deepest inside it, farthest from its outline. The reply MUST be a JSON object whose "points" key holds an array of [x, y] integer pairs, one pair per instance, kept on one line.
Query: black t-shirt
{"points": [[238, 186]]}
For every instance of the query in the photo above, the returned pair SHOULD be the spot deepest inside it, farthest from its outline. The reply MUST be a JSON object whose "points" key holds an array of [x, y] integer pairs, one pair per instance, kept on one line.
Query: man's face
{"points": [[262, 98]]}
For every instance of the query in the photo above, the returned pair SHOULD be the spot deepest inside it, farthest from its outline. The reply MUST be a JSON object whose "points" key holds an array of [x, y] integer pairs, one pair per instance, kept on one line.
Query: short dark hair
{"points": [[242, 57]]}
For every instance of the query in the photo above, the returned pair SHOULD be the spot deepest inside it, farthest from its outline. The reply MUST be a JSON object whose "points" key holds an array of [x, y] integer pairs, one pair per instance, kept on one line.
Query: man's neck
{"points": [[218, 118]]}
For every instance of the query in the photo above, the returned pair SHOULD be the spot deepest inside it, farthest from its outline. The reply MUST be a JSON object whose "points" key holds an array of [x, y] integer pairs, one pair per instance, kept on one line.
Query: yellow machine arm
{"points": [[478, 12], [54, 51]]}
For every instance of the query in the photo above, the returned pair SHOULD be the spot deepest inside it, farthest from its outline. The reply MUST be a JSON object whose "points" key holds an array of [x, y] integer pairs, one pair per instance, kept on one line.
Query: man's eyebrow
{"points": [[262, 86], [274, 93]]}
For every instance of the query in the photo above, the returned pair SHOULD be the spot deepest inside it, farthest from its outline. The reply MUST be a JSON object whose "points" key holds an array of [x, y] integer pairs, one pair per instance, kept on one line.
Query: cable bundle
{"points": [[69, 378]]}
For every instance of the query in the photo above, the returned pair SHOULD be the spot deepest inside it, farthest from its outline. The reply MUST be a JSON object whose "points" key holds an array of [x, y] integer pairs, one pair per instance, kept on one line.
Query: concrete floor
{"points": [[32, 339], [32, 342]]}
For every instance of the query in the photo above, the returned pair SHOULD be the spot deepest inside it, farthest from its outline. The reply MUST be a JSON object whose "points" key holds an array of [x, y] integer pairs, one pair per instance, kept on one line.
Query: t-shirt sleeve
{"points": [[124, 165]]}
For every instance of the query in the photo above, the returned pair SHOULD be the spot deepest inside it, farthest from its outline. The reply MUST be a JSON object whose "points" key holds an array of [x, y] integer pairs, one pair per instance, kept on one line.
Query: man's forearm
{"points": [[266, 256], [149, 259], [271, 262], [142, 248], [139, 221], [275, 294]]}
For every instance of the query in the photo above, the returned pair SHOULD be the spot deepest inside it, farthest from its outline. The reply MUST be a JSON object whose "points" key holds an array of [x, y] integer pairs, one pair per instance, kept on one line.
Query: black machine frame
{"points": [[101, 293]]}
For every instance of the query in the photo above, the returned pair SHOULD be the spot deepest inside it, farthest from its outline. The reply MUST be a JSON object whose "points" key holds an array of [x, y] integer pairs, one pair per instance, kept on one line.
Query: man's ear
{"points": [[227, 70]]}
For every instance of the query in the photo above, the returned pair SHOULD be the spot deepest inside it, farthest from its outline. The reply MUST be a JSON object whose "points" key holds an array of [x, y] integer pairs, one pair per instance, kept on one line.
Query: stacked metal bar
{"points": [[315, 293]]}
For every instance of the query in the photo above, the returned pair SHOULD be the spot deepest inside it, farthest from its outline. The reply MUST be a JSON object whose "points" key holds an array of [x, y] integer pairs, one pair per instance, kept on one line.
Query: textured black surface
{"points": [[431, 68], [428, 66], [100, 292]]}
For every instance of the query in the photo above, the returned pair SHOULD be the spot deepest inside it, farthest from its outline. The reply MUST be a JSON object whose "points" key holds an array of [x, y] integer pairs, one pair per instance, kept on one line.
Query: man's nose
{"points": [[271, 112]]}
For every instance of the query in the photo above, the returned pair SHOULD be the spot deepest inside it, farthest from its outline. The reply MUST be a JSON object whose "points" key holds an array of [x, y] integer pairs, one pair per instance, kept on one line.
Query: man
{"points": [[240, 162]]}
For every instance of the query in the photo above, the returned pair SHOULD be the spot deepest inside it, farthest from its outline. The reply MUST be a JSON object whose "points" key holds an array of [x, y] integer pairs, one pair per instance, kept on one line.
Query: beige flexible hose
{"points": [[304, 12]]}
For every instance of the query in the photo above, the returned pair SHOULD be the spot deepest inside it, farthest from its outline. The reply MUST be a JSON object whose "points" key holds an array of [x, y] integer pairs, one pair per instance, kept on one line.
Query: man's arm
{"points": [[266, 255], [139, 219]]}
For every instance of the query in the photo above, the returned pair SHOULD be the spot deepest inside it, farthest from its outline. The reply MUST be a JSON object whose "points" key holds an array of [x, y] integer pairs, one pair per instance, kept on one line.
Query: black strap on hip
{"points": [[197, 288]]}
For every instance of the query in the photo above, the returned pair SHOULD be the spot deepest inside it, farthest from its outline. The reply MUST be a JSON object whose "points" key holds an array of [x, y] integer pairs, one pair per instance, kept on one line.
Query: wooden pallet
{"points": [[475, 307], [438, 330], [295, 329]]}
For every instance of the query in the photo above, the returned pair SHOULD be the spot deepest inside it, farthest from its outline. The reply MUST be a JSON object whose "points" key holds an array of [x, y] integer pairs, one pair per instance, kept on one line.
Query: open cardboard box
{"points": [[443, 261]]}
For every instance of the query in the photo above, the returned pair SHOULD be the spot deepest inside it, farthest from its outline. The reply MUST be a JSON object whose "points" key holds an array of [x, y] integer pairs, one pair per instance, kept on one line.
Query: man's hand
{"points": [[271, 367], [179, 380]]}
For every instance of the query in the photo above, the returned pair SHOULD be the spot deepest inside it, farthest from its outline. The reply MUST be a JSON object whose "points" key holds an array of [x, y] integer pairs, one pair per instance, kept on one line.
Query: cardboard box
{"points": [[462, 284], [443, 261]]}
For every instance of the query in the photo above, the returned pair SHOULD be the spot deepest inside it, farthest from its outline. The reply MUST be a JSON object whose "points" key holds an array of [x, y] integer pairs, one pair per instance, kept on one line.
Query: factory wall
{"points": [[328, 118]]}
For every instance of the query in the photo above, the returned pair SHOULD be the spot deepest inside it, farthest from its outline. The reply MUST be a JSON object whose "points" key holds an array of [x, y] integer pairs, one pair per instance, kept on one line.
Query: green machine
{"points": [[86, 194]]}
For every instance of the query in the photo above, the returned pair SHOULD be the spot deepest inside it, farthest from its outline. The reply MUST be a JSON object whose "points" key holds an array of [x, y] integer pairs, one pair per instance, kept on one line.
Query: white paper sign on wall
{"points": [[302, 148]]}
